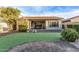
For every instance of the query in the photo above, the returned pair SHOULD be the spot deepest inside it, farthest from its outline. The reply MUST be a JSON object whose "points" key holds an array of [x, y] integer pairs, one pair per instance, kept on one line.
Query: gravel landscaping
{"points": [[43, 46]]}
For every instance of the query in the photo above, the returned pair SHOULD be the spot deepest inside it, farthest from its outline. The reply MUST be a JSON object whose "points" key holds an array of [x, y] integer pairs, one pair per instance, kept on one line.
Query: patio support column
{"points": [[29, 24], [60, 25], [46, 24], [17, 26]]}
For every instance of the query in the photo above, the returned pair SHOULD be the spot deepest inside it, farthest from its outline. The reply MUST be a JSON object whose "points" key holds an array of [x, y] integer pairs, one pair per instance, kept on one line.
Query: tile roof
{"points": [[43, 17]]}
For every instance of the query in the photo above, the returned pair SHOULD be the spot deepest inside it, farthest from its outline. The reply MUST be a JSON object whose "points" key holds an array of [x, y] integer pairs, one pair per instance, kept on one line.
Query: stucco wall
{"points": [[75, 19], [3, 25]]}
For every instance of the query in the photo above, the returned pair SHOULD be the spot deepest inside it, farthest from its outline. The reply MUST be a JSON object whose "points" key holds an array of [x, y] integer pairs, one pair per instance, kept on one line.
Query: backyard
{"points": [[12, 40]]}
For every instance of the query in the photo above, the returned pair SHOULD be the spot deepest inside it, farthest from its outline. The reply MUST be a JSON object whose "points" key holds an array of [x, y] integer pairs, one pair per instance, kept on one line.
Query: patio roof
{"points": [[43, 17]]}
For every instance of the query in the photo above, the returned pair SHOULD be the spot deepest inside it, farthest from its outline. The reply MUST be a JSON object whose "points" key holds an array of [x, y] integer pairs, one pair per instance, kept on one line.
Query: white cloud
{"points": [[63, 14], [59, 14]]}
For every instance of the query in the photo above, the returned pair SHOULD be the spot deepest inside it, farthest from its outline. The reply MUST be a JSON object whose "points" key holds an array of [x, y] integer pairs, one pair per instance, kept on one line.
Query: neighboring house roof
{"points": [[69, 19], [43, 17], [72, 20]]}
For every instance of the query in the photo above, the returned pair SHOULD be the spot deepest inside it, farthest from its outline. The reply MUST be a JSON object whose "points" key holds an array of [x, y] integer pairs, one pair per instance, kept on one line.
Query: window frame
{"points": [[52, 24]]}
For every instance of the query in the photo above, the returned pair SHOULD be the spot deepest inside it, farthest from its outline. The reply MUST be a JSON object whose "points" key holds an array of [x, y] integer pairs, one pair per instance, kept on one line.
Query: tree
{"points": [[10, 15]]}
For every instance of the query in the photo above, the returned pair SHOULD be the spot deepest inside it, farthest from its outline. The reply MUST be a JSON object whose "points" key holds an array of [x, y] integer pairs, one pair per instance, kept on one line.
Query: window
{"points": [[5, 29], [53, 24]]}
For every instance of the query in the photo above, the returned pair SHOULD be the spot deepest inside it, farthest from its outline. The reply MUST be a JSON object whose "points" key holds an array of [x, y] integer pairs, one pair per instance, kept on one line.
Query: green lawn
{"points": [[12, 40]]}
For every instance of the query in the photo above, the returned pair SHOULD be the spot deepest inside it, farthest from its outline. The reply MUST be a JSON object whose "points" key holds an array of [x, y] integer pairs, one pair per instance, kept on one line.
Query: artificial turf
{"points": [[11, 40]]}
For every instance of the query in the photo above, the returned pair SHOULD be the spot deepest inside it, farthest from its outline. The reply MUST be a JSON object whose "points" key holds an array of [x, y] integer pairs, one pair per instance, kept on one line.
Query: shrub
{"points": [[70, 35], [22, 28], [22, 25], [76, 27]]}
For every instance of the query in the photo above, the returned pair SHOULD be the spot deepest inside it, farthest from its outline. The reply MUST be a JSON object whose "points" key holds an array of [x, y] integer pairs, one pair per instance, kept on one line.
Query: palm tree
{"points": [[10, 15]]}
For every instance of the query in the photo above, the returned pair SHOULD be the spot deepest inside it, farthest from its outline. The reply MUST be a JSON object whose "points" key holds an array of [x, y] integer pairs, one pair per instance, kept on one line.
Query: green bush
{"points": [[76, 27], [22, 28], [70, 35]]}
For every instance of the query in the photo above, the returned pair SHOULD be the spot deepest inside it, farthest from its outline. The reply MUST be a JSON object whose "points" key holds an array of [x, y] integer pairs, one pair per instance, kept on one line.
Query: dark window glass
{"points": [[53, 24]]}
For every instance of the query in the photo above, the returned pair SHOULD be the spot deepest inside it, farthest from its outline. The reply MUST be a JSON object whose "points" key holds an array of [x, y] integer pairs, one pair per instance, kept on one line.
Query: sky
{"points": [[60, 11]]}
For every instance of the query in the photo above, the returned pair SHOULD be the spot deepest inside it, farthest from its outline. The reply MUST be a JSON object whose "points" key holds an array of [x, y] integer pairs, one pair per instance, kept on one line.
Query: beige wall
{"points": [[75, 19], [3, 25]]}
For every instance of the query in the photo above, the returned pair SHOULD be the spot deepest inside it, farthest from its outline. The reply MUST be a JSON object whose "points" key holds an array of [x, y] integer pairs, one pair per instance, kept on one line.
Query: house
{"points": [[44, 22], [3, 27], [71, 21]]}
